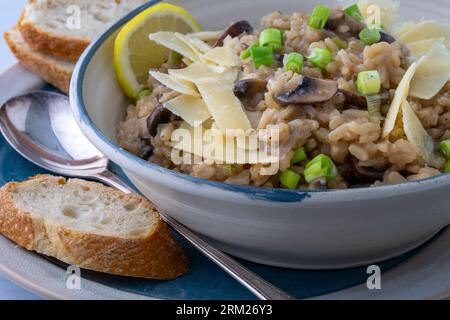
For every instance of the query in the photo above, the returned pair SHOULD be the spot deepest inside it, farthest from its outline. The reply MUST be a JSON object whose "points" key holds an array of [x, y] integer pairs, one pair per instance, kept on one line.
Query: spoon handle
{"points": [[258, 286]]}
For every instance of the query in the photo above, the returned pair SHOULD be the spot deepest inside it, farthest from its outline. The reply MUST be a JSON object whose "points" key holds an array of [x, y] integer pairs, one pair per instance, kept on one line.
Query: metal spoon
{"points": [[41, 127]]}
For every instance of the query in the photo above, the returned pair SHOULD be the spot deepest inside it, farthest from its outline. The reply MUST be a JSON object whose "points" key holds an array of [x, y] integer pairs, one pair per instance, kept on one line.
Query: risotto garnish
{"points": [[326, 100]]}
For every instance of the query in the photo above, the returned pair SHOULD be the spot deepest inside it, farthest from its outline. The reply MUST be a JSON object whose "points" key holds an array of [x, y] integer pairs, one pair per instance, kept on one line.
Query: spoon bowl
{"points": [[40, 126]]}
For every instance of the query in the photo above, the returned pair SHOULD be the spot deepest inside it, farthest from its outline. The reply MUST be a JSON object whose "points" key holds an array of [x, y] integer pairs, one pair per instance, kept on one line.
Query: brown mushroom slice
{"points": [[364, 174], [386, 37], [235, 30], [247, 88], [158, 116], [339, 17], [310, 91]]}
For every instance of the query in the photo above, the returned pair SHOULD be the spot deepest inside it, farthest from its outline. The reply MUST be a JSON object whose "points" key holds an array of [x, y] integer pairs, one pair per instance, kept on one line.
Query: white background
{"points": [[9, 14]]}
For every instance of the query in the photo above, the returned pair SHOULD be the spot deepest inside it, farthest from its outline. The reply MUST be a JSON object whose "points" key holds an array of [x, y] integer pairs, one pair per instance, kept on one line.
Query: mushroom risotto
{"points": [[346, 101]]}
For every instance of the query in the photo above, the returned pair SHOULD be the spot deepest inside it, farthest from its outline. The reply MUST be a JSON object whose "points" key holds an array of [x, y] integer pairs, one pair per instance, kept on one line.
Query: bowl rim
{"points": [[122, 156]]}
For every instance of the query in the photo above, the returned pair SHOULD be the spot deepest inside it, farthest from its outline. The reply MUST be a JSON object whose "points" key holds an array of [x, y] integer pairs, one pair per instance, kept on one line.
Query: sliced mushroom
{"points": [[158, 116], [364, 174], [310, 91], [338, 18], [235, 30], [386, 37], [247, 88], [146, 149]]}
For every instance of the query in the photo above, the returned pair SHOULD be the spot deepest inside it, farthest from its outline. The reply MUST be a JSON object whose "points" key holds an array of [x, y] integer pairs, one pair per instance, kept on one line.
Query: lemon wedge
{"points": [[135, 54]]}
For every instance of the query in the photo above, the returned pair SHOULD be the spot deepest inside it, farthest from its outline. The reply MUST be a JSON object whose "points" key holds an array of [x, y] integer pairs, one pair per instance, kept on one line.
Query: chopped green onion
{"points": [[445, 148], [271, 37], [341, 44], [299, 156], [143, 93], [293, 62], [319, 17], [368, 82], [290, 179], [370, 35], [354, 12], [374, 105], [320, 167], [447, 167], [320, 58], [262, 56], [246, 53]]}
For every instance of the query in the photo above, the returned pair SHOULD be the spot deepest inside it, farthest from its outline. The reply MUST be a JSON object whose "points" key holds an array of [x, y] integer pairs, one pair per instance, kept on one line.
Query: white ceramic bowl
{"points": [[298, 229]]}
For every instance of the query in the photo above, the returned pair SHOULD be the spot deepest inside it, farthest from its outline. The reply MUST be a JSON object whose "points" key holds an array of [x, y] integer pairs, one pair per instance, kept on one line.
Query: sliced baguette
{"points": [[91, 226], [44, 24], [54, 71]]}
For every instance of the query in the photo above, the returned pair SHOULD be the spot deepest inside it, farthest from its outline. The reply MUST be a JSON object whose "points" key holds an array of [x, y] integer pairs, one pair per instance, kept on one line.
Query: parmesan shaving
{"points": [[432, 74], [191, 109], [171, 41], [417, 135], [400, 96], [424, 30], [175, 84], [223, 105]]}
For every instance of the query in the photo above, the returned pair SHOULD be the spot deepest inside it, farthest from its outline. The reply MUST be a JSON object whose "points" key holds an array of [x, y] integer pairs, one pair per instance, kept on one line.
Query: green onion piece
{"points": [[319, 17], [354, 12], [374, 105], [299, 156], [370, 35], [290, 179], [445, 148], [293, 62], [368, 82], [246, 53], [447, 167], [320, 58], [271, 37], [143, 93], [320, 167], [262, 56], [341, 44]]}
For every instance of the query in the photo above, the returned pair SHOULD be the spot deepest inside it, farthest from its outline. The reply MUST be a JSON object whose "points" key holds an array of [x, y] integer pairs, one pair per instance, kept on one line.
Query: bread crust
{"points": [[52, 73], [61, 47], [155, 255], [65, 48]]}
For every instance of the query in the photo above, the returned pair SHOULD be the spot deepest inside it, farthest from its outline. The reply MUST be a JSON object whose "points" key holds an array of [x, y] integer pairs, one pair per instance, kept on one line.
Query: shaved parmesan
{"points": [[206, 35], [416, 133], [225, 55], [420, 48], [191, 109], [175, 84], [187, 41], [197, 71], [402, 29], [223, 105], [425, 30], [400, 95], [432, 74], [171, 41], [199, 44]]}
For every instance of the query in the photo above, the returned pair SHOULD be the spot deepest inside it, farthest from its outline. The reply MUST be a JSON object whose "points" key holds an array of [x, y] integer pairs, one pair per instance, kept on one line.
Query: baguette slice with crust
{"points": [[50, 26], [54, 71], [91, 226]]}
